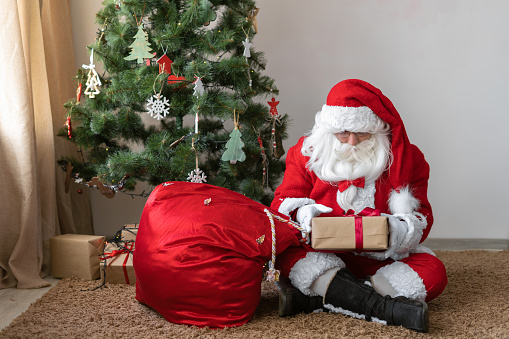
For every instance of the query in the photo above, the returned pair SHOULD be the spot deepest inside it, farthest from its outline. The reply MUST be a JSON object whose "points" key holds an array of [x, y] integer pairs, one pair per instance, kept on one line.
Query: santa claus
{"points": [[201, 249], [358, 156]]}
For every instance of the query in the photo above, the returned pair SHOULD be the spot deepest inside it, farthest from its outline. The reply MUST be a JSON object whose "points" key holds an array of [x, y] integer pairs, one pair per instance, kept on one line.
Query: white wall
{"points": [[442, 63]]}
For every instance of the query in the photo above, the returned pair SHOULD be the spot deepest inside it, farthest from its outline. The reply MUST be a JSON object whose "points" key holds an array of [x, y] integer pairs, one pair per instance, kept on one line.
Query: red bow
{"points": [[343, 185], [367, 212]]}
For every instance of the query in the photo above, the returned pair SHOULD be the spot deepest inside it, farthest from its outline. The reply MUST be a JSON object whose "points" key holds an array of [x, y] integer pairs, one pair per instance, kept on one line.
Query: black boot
{"points": [[350, 294], [292, 301]]}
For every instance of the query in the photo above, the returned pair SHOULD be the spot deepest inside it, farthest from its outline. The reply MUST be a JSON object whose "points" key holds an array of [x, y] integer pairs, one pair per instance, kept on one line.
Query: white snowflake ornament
{"points": [[157, 106], [197, 175]]}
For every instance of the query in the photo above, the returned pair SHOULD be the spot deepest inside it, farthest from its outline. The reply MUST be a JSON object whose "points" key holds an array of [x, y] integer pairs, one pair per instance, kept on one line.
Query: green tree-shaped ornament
{"points": [[234, 152], [234, 146], [208, 13], [140, 48]]}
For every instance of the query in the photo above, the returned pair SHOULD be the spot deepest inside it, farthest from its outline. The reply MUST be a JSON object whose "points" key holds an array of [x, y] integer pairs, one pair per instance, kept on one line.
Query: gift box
{"points": [[353, 233], [117, 264], [128, 232], [76, 255]]}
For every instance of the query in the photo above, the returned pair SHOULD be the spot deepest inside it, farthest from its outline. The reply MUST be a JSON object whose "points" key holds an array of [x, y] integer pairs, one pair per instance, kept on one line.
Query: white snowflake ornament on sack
{"points": [[158, 107]]}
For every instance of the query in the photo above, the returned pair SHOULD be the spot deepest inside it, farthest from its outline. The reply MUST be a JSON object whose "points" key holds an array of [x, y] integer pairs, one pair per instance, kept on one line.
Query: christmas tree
{"points": [[189, 65]]}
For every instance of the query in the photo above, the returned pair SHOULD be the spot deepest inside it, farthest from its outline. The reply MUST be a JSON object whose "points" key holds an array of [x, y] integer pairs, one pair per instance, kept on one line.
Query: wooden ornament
{"points": [[106, 191]]}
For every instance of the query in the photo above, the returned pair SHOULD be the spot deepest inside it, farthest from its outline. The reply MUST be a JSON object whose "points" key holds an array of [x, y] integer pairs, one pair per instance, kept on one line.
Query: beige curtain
{"points": [[37, 69]]}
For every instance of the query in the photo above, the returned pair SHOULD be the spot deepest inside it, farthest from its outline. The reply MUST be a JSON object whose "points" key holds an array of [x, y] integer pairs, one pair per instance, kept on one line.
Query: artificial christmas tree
{"points": [[173, 59]]}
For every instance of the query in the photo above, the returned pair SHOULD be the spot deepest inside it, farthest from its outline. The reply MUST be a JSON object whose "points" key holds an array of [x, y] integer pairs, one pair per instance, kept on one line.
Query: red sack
{"points": [[200, 252]]}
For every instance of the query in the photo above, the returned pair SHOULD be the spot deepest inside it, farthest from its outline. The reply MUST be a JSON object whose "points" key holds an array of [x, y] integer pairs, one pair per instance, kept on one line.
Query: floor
{"points": [[13, 302]]}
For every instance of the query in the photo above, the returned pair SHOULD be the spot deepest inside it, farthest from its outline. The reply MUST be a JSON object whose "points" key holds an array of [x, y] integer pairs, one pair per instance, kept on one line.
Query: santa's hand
{"points": [[308, 212], [398, 230]]}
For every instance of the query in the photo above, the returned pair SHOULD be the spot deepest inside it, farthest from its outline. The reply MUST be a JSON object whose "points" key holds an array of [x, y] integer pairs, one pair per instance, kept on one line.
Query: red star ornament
{"points": [[273, 110]]}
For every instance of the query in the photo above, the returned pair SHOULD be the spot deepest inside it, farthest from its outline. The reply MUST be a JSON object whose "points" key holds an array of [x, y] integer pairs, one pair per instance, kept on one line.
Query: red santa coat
{"points": [[200, 252], [300, 183]]}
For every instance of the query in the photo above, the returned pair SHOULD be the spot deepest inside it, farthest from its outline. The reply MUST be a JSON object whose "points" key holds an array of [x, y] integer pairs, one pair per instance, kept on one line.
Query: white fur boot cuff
{"points": [[307, 269], [405, 281]]}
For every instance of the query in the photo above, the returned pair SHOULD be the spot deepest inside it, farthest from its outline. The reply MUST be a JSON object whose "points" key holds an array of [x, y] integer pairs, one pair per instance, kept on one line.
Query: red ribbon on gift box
{"points": [[125, 262], [367, 212], [127, 249]]}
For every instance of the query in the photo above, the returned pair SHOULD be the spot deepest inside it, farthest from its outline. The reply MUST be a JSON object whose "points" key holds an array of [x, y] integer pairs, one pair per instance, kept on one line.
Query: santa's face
{"points": [[362, 155]]}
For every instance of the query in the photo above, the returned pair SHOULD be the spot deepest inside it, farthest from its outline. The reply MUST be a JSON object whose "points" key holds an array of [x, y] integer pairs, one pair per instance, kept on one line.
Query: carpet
{"points": [[473, 305]]}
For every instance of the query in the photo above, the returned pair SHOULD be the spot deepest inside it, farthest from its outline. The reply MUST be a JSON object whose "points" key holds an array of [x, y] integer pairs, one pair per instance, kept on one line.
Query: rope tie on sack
{"points": [[272, 273]]}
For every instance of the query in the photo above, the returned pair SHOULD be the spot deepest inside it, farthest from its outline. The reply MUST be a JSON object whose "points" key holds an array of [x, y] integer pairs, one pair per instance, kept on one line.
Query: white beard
{"points": [[339, 161]]}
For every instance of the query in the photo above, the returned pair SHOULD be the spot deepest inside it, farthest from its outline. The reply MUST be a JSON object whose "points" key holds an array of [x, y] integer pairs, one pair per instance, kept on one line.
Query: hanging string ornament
{"points": [[78, 93], [157, 105], [264, 160], [274, 116], [196, 175], [69, 127], [247, 55], [93, 80], [234, 145], [140, 48]]}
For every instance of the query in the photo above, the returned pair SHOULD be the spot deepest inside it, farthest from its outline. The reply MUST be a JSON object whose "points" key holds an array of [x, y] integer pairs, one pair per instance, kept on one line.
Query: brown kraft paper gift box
{"points": [[76, 255], [338, 233], [129, 232], [119, 268]]}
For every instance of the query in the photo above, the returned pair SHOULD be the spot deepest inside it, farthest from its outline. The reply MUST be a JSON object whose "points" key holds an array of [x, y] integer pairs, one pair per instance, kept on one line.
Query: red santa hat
{"points": [[354, 105]]}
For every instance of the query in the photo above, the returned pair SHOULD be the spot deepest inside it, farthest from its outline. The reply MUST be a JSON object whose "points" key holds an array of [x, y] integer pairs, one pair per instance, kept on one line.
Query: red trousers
{"points": [[429, 268]]}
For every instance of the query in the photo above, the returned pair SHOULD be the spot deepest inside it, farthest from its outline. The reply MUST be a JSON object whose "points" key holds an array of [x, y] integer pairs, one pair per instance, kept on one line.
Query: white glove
{"points": [[398, 230], [308, 212]]}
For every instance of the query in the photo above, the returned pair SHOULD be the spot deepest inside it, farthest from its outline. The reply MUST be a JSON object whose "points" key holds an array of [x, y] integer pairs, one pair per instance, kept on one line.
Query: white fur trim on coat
{"points": [[405, 281], [313, 265], [416, 224], [291, 204], [403, 202]]}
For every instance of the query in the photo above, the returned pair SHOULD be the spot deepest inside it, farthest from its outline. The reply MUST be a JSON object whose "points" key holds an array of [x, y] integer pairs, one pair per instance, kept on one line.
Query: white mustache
{"points": [[361, 152]]}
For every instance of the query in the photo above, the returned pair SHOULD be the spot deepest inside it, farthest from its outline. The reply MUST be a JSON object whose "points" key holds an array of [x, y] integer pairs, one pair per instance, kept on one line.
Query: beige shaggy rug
{"points": [[475, 304]]}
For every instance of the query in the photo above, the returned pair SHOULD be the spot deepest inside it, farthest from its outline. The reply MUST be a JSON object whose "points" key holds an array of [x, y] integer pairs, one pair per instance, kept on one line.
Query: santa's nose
{"points": [[353, 139]]}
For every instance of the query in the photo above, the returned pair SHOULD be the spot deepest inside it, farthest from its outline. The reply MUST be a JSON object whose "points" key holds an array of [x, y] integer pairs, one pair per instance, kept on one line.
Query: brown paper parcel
{"points": [[76, 255], [338, 233], [118, 267], [129, 232]]}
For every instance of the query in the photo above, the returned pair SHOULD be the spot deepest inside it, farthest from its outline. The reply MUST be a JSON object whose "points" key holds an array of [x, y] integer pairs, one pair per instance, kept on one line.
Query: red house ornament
{"points": [[164, 64]]}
